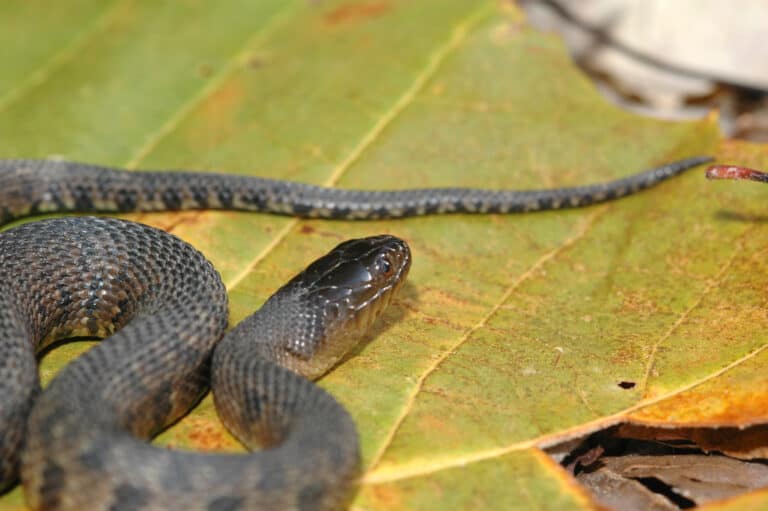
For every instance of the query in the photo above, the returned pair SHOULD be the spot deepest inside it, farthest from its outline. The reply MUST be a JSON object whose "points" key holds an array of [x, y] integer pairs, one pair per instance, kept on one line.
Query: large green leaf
{"points": [[514, 330]]}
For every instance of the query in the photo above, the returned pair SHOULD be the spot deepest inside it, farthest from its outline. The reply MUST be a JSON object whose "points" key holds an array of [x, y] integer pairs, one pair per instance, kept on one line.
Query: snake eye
{"points": [[386, 266]]}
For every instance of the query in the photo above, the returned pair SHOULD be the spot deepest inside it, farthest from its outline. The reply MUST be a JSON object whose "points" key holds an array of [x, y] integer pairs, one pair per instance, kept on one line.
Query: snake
{"points": [[161, 309]]}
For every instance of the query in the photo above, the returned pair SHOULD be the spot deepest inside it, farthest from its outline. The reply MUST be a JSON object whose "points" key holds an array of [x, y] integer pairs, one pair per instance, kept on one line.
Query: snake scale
{"points": [[162, 309]]}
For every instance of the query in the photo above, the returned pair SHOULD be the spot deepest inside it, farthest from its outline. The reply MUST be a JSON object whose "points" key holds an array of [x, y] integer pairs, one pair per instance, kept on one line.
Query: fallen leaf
{"points": [[486, 355]]}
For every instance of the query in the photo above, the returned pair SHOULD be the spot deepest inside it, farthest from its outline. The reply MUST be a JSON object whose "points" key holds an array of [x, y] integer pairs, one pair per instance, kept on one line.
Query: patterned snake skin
{"points": [[164, 308], [28, 187]]}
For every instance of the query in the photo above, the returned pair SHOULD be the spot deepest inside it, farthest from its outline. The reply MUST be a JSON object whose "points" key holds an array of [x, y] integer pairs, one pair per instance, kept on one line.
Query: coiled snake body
{"points": [[163, 309]]}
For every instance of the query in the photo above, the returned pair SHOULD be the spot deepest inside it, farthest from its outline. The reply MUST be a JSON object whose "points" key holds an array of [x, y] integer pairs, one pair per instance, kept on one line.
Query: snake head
{"points": [[342, 294], [357, 274]]}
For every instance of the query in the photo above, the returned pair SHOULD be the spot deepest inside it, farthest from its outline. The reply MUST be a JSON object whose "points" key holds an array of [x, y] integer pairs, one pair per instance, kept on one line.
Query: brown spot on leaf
{"points": [[637, 303], [204, 71], [389, 496], [227, 98], [219, 111], [256, 62], [205, 436], [436, 424], [354, 13]]}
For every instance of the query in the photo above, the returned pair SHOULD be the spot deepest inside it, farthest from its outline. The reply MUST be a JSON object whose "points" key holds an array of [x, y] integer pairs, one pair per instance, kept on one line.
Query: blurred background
{"points": [[672, 60]]}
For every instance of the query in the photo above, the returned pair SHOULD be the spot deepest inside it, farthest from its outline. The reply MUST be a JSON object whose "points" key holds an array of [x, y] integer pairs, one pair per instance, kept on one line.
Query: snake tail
{"points": [[29, 187]]}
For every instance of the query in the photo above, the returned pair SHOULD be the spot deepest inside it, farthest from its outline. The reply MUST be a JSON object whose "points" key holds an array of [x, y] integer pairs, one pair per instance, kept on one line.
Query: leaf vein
{"points": [[686, 314], [582, 229], [211, 86], [422, 469], [59, 58], [433, 65]]}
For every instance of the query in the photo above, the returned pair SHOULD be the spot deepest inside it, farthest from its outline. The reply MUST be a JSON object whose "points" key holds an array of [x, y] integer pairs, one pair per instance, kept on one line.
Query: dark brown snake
{"points": [[163, 309]]}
